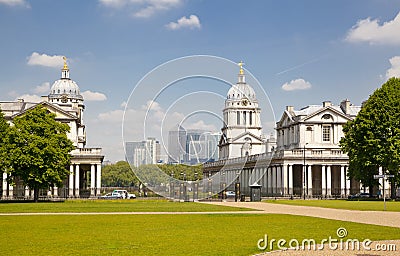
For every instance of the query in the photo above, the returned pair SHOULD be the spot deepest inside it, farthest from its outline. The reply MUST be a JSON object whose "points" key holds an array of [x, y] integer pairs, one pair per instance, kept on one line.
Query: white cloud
{"points": [[43, 88], [192, 23], [21, 3], [394, 71], [36, 59], [298, 84], [29, 98], [93, 96], [200, 125], [371, 31], [142, 8]]}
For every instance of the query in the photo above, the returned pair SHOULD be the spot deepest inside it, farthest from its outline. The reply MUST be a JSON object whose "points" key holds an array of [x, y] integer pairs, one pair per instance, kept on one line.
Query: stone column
{"points": [[5, 185], [26, 194], [92, 179], [71, 181], [342, 181], [55, 191], [273, 176], [285, 189], [77, 180], [328, 180], [347, 181], [269, 173], [309, 180], [10, 191], [290, 180], [279, 180], [323, 183], [98, 179]]}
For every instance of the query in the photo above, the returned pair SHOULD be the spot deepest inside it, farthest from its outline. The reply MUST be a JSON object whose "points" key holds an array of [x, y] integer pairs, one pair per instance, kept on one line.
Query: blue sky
{"points": [[321, 50]]}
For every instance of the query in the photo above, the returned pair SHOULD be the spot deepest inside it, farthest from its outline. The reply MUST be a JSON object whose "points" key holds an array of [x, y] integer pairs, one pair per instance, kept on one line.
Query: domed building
{"points": [[66, 101], [242, 130]]}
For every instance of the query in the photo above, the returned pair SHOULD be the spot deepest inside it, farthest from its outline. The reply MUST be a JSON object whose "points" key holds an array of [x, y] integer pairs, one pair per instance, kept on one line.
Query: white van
{"points": [[125, 194]]}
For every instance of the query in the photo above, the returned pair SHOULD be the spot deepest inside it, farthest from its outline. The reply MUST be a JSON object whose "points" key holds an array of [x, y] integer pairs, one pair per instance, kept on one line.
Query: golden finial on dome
{"points": [[65, 62], [240, 64]]}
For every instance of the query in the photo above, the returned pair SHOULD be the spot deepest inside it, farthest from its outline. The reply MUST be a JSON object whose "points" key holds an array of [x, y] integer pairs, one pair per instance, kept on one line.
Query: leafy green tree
{"points": [[119, 174], [39, 149], [372, 139]]}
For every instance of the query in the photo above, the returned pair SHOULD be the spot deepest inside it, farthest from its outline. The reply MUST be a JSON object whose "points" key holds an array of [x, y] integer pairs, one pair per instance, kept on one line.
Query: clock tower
{"points": [[242, 130]]}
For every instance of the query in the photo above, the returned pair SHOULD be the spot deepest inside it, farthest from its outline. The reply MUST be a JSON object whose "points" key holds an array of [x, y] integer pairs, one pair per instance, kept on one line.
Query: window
{"points": [[244, 118], [251, 118], [238, 118], [326, 133]]}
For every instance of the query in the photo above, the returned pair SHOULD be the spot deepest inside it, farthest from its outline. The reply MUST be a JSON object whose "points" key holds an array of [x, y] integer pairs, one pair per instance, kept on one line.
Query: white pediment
{"points": [[242, 138], [327, 115], [59, 112]]}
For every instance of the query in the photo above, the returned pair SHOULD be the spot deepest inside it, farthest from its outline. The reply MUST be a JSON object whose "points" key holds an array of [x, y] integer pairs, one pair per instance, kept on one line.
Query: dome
{"points": [[65, 88], [241, 90]]}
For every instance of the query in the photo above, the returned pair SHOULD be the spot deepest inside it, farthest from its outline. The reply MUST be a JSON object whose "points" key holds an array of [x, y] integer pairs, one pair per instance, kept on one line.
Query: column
{"points": [[323, 180], [290, 179], [309, 180], [55, 191], [92, 179], [5, 185], [347, 181], [273, 181], [98, 179], [328, 180], [77, 175], [269, 173], [279, 180], [342, 180], [285, 189], [26, 194], [10, 191], [71, 181]]}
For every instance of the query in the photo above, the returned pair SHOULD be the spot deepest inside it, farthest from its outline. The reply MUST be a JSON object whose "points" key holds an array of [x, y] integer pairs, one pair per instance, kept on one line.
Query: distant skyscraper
{"points": [[192, 146], [142, 152]]}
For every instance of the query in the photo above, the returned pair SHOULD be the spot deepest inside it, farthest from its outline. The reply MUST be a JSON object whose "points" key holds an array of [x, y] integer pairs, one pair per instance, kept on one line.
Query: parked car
{"points": [[125, 194], [230, 193], [113, 195], [359, 195]]}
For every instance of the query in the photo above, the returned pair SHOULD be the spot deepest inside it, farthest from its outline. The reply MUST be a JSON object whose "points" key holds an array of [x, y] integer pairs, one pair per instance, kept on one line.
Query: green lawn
{"points": [[343, 204], [172, 234], [114, 206]]}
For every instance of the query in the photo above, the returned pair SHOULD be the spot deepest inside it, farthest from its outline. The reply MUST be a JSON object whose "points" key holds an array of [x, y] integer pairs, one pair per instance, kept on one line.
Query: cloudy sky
{"points": [[301, 52]]}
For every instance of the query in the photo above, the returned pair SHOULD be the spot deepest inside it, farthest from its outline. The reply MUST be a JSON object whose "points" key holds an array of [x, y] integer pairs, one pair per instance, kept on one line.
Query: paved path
{"points": [[391, 219]]}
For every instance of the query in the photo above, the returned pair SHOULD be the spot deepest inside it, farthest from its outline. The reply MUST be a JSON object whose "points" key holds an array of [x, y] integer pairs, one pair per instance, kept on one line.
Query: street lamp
{"points": [[171, 185], [196, 187]]}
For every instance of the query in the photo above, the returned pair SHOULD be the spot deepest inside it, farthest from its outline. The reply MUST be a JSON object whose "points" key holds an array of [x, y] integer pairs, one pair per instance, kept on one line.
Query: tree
{"points": [[119, 174], [39, 150], [372, 139]]}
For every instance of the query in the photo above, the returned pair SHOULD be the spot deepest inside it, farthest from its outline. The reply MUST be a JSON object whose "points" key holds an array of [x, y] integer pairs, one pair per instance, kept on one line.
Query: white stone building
{"points": [[306, 158], [67, 103], [242, 130]]}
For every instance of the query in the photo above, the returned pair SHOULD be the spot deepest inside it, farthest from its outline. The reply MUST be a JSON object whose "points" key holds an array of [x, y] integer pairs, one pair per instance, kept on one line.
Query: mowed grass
{"points": [[113, 206], [343, 204], [170, 234]]}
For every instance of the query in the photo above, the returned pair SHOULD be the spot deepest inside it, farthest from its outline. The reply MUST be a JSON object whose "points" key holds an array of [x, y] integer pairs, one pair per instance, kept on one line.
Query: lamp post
{"points": [[209, 185], [237, 186], [171, 185]]}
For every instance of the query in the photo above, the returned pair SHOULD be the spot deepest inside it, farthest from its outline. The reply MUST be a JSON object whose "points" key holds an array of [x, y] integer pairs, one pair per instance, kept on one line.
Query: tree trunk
{"points": [[35, 194]]}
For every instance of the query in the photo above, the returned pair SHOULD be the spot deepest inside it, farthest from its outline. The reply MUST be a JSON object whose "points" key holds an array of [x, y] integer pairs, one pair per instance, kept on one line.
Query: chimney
{"points": [[20, 100], [289, 108], [44, 98], [345, 106], [326, 103]]}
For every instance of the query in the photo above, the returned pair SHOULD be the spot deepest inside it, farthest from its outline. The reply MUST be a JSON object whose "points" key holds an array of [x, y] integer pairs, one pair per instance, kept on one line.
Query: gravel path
{"points": [[391, 219]]}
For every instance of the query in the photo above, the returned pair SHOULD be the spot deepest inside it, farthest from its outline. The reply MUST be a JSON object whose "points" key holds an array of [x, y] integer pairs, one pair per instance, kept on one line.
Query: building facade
{"points": [[304, 160], [242, 130], [66, 102]]}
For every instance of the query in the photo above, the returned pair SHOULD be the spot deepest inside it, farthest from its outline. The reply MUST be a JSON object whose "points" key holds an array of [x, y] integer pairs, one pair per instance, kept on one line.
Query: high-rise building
{"points": [[142, 152]]}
